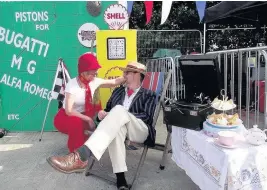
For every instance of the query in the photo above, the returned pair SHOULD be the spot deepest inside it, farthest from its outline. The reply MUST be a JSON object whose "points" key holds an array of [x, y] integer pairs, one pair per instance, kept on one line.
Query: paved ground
{"points": [[23, 166]]}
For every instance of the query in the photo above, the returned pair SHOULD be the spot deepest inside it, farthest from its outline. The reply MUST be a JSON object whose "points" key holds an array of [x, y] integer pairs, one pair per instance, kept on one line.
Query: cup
{"points": [[227, 138]]}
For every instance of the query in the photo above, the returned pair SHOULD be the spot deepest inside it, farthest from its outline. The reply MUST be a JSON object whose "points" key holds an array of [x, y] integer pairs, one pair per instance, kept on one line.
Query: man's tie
{"points": [[130, 92]]}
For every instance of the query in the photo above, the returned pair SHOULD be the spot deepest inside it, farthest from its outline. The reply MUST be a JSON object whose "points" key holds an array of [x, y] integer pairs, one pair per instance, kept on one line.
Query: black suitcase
{"points": [[189, 116], [201, 75]]}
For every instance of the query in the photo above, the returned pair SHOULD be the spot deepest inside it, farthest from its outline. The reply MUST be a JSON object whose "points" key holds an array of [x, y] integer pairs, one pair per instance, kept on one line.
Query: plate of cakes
{"points": [[224, 120]]}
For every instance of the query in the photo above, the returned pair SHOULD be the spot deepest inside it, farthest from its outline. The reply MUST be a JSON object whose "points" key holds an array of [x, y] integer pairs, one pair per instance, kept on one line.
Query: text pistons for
{"points": [[35, 17]]}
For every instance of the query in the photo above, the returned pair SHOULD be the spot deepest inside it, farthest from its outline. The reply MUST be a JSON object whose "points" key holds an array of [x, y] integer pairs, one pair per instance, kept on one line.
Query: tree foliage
{"points": [[184, 16]]}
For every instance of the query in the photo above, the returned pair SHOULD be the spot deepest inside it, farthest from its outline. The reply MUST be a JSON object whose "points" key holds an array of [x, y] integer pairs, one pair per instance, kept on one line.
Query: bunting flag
{"points": [[201, 6], [165, 10], [129, 7], [149, 10]]}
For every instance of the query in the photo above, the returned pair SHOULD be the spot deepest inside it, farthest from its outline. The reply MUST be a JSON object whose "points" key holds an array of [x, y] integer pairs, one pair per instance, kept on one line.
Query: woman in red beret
{"points": [[81, 101]]}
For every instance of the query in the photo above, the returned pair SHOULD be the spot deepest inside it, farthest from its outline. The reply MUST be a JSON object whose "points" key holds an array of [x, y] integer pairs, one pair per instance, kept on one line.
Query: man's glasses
{"points": [[127, 72]]}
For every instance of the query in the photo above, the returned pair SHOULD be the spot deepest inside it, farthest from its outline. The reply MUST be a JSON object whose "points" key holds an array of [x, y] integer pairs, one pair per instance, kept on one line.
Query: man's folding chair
{"points": [[155, 82]]}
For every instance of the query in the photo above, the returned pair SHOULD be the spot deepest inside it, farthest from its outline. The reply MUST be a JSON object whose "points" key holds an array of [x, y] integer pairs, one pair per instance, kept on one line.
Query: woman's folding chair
{"points": [[157, 82]]}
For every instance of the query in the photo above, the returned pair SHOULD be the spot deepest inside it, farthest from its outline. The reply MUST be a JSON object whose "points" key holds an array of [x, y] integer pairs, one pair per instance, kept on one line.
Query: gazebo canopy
{"points": [[237, 12]]}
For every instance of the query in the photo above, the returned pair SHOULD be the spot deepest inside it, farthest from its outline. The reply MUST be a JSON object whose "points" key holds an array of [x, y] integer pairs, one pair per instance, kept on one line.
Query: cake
{"points": [[221, 122]]}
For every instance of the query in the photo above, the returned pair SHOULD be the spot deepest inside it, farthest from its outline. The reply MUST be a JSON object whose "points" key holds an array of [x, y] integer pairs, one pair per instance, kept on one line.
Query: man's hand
{"points": [[91, 123], [102, 114]]}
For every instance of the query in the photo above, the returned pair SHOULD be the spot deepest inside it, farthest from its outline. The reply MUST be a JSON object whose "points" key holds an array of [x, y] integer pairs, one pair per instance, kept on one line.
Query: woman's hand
{"points": [[102, 114], [109, 83], [120, 80]]}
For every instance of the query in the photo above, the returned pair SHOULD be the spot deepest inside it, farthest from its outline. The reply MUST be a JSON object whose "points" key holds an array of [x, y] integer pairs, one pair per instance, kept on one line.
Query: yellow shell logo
{"points": [[113, 73]]}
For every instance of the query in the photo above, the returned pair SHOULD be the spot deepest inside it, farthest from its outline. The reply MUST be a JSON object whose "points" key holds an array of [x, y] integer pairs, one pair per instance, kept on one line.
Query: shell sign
{"points": [[116, 16]]}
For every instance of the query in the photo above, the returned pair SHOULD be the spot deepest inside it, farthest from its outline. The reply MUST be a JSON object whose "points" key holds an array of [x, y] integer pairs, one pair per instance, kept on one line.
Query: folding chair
{"points": [[153, 81]]}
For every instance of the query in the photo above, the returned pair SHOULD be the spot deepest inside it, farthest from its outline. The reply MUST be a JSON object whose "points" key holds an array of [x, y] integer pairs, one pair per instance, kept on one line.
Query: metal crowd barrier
{"points": [[150, 41], [164, 65], [243, 69], [243, 73]]}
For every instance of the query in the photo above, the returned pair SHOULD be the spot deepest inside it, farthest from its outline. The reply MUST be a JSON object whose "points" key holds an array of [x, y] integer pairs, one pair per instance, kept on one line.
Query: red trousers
{"points": [[73, 126]]}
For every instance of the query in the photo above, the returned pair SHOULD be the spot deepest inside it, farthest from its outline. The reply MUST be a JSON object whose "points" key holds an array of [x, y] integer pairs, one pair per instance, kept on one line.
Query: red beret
{"points": [[87, 62]]}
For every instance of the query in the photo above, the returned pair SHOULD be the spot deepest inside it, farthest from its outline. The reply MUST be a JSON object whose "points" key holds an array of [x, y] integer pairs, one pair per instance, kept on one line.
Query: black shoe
{"points": [[121, 181]]}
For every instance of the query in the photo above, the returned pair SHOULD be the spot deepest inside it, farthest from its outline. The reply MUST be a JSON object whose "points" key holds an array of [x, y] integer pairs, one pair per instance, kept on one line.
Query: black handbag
{"points": [[3, 132]]}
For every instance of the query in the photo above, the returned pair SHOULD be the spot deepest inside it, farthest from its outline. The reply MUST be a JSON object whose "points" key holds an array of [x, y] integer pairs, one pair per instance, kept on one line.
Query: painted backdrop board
{"points": [[33, 36]]}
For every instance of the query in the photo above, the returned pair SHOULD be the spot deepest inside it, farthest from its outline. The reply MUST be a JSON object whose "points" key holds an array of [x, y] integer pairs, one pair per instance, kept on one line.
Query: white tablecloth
{"points": [[215, 168]]}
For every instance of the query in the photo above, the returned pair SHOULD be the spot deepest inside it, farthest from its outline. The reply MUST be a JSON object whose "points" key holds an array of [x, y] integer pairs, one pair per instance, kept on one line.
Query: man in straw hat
{"points": [[129, 113]]}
